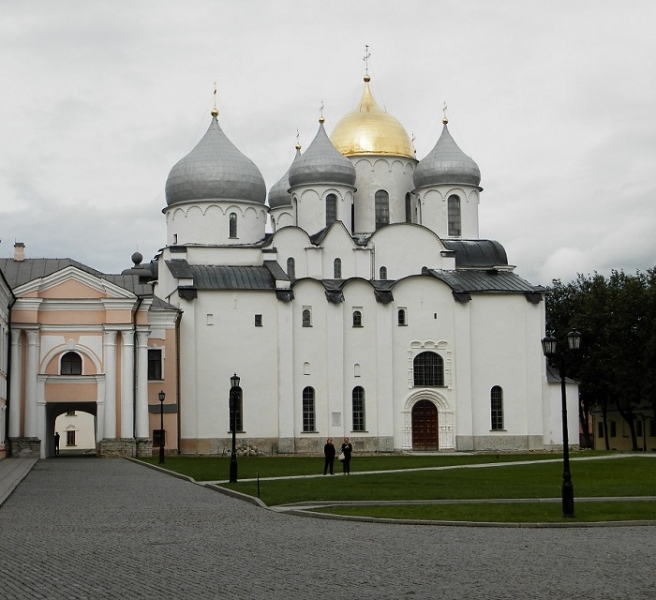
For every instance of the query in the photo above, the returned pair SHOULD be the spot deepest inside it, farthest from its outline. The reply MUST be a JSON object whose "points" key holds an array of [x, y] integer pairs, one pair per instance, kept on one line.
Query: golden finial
{"points": [[215, 110], [367, 56], [413, 144], [321, 119], [444, 118]]}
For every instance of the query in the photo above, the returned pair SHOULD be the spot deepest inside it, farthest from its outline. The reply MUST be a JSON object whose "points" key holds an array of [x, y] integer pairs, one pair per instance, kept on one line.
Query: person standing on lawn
{"points": [[347, 448], [329, 456]]}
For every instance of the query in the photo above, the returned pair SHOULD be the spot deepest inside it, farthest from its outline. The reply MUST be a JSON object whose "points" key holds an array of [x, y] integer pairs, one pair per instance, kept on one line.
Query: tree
{"points": [[617, 363]]}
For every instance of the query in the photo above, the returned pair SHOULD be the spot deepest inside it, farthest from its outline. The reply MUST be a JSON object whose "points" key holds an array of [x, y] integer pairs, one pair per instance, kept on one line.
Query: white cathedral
{"points": [[372, 310]]}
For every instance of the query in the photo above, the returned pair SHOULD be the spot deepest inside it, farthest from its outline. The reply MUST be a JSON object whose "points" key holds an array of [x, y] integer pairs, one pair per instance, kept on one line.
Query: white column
{"points": [[110, 385], [15, 407], [127, 384], [31, 371], [142, 385]]}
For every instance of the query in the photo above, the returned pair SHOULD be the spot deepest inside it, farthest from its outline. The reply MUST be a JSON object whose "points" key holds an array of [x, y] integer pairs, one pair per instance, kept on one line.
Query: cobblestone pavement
{"points": [[102, 528]]}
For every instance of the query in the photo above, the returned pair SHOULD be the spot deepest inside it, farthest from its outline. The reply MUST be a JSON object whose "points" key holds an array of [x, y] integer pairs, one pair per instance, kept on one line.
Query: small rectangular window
{"points": [[158, 436], [638, 428], [210, 319], [154, 364], [70, 438], [600, 429], [652, 428], [258, 320], [613, 429]]}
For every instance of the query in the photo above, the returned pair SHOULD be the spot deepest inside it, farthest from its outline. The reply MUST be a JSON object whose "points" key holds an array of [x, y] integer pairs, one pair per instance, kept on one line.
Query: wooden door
{"points": [[424, 426]]}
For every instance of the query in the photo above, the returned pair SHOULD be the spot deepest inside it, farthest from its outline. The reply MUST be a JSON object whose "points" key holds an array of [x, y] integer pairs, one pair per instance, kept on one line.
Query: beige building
{"points": [[86, 342]]}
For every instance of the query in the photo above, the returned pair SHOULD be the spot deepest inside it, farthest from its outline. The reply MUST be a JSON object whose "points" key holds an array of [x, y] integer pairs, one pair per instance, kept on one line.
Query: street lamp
{"points": [[161, 397], [551, 351], [235, 393]]}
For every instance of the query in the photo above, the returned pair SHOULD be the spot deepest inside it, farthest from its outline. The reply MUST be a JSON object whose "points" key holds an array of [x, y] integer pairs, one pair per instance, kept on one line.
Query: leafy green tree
{"points": [[617, 363]]}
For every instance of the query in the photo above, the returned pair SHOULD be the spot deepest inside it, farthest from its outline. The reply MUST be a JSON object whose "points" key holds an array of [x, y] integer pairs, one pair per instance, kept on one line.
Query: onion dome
{"points": [[215, 170], [279, 193], [368, 129], [321, 163], [446, 163]]}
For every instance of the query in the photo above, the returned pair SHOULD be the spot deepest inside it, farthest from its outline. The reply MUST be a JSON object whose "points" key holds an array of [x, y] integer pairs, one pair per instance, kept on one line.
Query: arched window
{"points": [[496, 408], [408, 208], [401, 317], [307, 317], [357, 318], [454, 215], [233, 225], [382, 209], [291, 268], [308, 409], [331, 209], [337, 268], [383, 272], [428, 370], [273, 224], [358, 409], [71, 364]]}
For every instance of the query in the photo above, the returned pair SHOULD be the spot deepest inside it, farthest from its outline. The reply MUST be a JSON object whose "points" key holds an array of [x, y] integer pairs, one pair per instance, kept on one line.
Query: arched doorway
{"points": [[76, 423], [424, 426]]}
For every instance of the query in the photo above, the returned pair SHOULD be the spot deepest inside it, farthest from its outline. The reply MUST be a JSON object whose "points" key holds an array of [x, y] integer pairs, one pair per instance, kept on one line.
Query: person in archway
{"points": [[56, 442], [329, 455], [347, 448]]}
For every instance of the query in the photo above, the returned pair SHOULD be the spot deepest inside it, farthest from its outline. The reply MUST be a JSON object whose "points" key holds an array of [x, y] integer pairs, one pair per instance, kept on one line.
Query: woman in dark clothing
{"points": [[347, 448], [329, 455]]}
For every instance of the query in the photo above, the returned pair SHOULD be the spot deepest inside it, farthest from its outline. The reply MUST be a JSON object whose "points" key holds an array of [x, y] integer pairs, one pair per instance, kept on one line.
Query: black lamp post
{"points": [[557, 356], [235, 392], [161, 397]]}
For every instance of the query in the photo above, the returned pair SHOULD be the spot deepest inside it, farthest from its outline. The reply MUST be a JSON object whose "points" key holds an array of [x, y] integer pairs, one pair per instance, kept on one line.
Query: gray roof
{"points": [[223, 277], [446, 163], [321, 163], [485, 282], [215, 170], [480, 254], [18, 273], [279, 193]]}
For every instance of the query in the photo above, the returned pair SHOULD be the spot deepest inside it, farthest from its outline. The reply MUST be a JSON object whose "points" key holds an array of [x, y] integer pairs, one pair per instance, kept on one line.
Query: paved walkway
{"points": [[101, 528]]}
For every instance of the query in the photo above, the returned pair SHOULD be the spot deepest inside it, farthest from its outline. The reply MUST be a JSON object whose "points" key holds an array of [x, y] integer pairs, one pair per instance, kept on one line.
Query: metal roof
{"points": [[480, 254], [223, 277], [462, 282]]}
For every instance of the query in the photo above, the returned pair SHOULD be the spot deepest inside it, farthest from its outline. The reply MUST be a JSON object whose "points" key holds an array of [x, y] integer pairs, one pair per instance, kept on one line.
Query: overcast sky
{"points": [[555, 101]]}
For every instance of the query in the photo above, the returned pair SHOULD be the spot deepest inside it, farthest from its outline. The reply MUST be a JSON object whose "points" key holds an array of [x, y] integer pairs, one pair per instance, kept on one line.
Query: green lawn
{"points": [[615, 477], [507, 513], [212, 468]]}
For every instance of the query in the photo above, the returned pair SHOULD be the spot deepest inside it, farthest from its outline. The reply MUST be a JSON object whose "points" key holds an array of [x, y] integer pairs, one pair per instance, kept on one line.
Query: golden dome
{"points": [[368, 129]]}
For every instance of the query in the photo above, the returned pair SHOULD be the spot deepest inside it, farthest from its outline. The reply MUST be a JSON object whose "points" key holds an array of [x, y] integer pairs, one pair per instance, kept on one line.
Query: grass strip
{"points": [[507, 513]]}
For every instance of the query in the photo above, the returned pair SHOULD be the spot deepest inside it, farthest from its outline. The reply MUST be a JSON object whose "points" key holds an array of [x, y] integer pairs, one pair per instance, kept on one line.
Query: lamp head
{"points": [[161, 396], [234, 381], [549, 345], [574, 340]]}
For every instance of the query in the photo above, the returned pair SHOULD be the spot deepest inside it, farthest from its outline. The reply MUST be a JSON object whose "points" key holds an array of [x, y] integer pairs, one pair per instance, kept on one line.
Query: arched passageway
{"points": [[76, 424]]}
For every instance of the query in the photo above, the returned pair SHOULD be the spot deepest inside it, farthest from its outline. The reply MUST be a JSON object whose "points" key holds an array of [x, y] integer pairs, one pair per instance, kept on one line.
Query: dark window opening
{"points": [[308, 409], [154, 364], [382, 209], [71, 364], [358, 409], [428, 370], [496, 405]]}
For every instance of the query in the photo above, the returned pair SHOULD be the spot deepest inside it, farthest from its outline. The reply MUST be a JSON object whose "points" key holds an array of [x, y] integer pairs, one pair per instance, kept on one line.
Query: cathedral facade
{"points": [[355, 299], [372, 311]]}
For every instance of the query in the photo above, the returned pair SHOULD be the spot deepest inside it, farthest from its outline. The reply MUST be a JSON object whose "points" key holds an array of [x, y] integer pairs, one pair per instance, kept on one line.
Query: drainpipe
{"points": [[177, 370], [9, 340]]}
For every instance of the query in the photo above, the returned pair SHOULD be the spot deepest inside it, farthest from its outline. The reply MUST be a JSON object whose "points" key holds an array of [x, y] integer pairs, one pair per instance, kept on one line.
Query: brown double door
{"points": [[424, 426]]}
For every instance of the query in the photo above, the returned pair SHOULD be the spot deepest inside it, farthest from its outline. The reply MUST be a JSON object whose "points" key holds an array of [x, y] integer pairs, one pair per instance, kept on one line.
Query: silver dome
{"points": [[446, 163], [321, 163], [279, 193], [215, 169]]}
